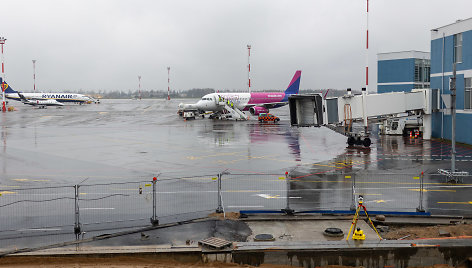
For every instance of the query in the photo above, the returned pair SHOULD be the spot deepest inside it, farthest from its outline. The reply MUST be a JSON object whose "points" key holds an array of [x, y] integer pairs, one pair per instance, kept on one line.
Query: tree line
{"points": [[191, 93]]}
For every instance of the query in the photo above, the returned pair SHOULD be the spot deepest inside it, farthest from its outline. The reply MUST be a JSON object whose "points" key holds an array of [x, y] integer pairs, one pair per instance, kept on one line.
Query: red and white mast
{"points": [[367, 52], [249, 68], [139, 86], [168, 83], [4, 107], [34, 75]]}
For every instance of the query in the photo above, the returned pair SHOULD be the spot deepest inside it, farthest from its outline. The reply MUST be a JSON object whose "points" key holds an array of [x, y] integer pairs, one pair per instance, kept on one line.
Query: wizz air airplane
{"points": [[59, 97], [255, 103]]}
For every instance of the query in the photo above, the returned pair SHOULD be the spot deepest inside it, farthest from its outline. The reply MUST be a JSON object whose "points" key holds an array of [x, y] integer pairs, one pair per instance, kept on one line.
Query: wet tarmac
{"points": [[122, 144]]}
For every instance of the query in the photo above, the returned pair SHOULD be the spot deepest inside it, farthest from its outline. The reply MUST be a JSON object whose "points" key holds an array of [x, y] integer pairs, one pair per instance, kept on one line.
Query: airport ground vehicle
{"points": [[189, 115], [267, 117], [401, 126]]}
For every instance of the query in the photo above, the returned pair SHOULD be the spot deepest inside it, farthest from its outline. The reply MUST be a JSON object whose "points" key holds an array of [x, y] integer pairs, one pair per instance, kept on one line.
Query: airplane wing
{"points": [[269, 105]]}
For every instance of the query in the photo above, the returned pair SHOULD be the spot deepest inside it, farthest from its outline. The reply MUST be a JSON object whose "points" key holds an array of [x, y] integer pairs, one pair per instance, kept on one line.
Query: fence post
{"points": [[219, 209], [353, 192], [154, 220], [77, 225], [420, 207], [287, 210]]}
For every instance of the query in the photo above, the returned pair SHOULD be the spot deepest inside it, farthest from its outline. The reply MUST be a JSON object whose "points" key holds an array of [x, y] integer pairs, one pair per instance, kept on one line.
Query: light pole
{"points": [[139, 86], [168, 83], [34, 75], [4, 107], [249, 68]]}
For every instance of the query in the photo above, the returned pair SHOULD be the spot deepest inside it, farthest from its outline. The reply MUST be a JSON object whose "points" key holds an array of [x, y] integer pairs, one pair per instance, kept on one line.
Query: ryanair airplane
{"points": [[60, 97]]}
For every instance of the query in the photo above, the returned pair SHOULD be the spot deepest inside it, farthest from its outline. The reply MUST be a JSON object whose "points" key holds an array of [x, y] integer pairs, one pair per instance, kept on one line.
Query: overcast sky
{"points": [[105, 44]]}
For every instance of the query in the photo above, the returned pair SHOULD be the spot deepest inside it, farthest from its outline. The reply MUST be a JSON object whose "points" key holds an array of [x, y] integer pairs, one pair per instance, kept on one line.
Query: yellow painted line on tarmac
{"points": [[7, 192], [28, 180], [459, 203], [83, 193], [9, 186], [268, 196], [427, 190], [320, 165], [367, 194], [416, 178]]}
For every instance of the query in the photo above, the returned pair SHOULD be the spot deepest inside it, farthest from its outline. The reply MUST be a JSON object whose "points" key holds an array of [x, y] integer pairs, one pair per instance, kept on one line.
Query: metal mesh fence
{"points": [[253, 191], [115, 205], [52, 212], [388, 192], [35, 212], [444, 195]]}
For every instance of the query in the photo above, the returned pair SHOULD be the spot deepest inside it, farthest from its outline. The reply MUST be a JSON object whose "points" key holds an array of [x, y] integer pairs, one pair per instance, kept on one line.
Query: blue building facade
{"points": [[402, 71], [452, 44]]}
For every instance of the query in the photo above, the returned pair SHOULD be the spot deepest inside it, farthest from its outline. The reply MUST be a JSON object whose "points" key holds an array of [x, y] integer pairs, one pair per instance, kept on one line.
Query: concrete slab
{"points": [[305, 231], [86, 250]]}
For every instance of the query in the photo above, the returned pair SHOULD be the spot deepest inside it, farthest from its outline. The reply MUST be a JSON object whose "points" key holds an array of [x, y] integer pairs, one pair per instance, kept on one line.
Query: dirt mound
{"points": [[225, 216], [415, 232]]}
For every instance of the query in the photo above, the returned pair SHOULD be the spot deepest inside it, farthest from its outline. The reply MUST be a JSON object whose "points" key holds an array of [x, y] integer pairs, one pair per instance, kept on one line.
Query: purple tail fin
{"points": [[294, 85]]}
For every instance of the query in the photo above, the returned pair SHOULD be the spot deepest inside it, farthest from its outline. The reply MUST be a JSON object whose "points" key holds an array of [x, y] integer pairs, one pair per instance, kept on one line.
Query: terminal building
{"points": [[403, 71], [452, 44]]}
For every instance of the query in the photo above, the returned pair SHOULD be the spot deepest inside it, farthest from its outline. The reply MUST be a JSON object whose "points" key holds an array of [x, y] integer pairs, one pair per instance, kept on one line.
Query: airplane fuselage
{"points": [[242, 101], [60, 97], [256, 103]]}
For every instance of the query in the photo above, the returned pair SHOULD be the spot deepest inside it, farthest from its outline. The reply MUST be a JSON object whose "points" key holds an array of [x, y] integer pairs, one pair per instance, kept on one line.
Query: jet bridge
{"points": [[340, 113]]}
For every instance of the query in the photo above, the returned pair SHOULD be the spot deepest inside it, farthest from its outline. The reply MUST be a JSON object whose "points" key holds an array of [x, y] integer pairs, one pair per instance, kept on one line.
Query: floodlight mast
{"points": [[34, 75], [168, 83], [4, 107], [367, 51], [249, 67], [364, 92], [139, 87]]}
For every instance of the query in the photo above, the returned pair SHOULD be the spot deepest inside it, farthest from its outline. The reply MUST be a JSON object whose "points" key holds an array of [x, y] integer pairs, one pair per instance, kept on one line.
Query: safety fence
{"points": [[64, 213]]}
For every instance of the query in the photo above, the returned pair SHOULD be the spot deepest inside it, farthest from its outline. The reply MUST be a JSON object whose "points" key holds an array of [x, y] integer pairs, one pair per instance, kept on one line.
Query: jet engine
{"points": [[256, 110]]}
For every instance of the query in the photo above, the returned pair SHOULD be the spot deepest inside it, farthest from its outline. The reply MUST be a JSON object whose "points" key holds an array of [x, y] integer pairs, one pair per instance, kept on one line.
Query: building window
{"points": [[458, 48], [422, 70], [468, 93]]}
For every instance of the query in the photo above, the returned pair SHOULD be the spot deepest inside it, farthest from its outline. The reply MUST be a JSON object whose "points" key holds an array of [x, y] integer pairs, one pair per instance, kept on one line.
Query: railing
{"points": [[65, 213]]}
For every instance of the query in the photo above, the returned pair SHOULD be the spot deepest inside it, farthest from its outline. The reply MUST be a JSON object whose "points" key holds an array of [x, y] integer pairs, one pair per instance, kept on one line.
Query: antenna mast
{"points": [[168, 83], [249, 68]]}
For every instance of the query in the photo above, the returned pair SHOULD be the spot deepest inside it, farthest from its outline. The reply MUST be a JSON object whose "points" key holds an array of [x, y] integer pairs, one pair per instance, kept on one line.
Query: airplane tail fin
{"points": [[294, 85], [8, 89]]}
